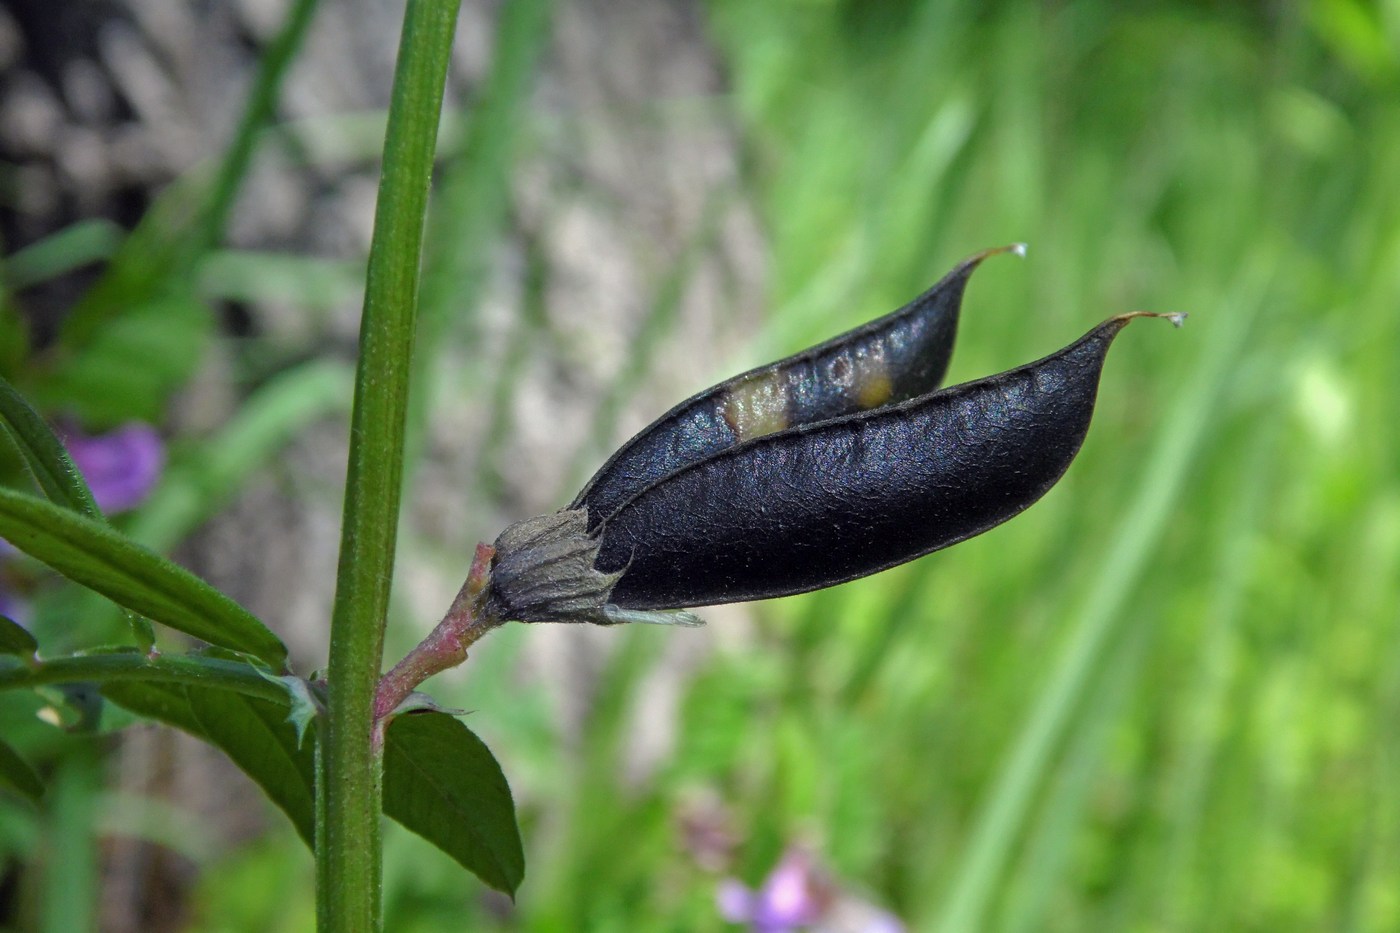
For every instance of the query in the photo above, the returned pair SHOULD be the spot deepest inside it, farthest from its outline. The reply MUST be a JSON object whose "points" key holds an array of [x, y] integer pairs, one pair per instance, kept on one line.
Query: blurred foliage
{"points": [[1162, 700]]}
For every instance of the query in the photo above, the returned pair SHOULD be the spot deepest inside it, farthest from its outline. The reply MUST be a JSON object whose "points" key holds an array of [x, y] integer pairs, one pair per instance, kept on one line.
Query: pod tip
{"points": [[976, 259], [1176, 317]]}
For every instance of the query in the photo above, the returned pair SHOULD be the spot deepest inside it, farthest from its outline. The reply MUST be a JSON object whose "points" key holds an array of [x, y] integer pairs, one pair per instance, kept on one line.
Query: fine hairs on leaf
{"points": [[56, 475], [45, 455], [330, 788]]}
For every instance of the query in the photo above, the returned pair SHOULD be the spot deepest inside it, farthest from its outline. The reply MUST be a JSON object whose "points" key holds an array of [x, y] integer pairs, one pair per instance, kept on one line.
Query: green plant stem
{"points": [[68, 894], [348, 855], [107, 668]]}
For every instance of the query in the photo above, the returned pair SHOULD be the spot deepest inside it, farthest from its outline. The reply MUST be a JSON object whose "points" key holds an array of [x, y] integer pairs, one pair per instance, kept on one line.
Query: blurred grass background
{"points": [[1165, 699]]}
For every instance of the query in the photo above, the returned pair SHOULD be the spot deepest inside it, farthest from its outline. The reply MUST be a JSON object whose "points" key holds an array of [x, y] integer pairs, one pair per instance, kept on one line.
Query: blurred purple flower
{"points": [[12, 607], [121, 467], [797, 895], [791, 897]]}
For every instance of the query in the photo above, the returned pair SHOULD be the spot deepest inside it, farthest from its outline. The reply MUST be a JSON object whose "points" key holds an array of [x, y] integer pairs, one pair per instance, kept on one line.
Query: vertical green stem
{"points": [[348, 774], [68, 899]]}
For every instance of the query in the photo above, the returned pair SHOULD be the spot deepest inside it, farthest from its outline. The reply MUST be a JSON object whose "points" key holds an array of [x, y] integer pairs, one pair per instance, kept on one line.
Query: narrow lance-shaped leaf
{"points": [[442, 782], [45, 454], [56, 473], [18, 776], [15, 639], [100, 558], [889, 360], [815, 506]]}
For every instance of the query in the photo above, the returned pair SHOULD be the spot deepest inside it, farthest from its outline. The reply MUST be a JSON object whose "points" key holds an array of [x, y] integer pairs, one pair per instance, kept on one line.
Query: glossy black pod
{"points": [[813, 506], [832, 464], [886, 361]]}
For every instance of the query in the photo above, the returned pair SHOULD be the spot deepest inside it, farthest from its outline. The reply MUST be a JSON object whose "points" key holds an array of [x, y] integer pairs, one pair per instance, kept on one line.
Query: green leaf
{"points": [[255, 734], [100, 558], [310, 283], [125, 663], [56, 474], [132, 365], [442, 782], [14, 333], [15, 639], [83, 243], [199, 481], [303, 705], [18, 776], [45, 454]]}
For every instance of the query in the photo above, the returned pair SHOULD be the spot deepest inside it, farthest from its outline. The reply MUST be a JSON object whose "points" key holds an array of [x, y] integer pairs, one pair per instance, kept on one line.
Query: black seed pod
{"points": [[832, 464], [821, 504], [889, 360]]}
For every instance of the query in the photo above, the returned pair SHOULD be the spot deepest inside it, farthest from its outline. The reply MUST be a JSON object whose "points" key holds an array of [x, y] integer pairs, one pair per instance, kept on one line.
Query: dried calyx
{"points": [[545, 570]]}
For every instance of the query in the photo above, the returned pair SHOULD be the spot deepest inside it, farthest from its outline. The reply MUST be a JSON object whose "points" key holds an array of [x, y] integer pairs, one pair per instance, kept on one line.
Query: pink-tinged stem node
{"points": [[445, 647]]}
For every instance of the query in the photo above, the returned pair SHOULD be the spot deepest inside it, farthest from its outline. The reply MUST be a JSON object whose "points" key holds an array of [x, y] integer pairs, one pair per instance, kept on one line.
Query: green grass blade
{"points": [[471, 208], [70, 856], [1001, 818], [195, 488], [261, 106], [163, 253], [86, 241]]}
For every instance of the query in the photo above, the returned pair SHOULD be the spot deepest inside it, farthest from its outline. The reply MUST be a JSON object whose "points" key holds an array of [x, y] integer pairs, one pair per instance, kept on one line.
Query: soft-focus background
{"points": [[1167, 698]]}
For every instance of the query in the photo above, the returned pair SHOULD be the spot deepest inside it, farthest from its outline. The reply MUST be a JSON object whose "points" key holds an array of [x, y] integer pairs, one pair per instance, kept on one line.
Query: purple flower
{"points": [[121, 466], [791, 897], [797, 895], [12, 607]]}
